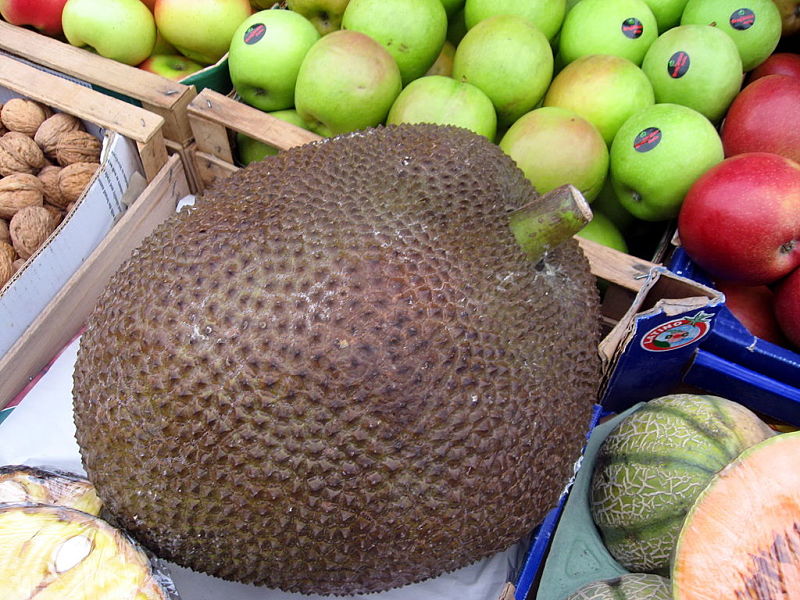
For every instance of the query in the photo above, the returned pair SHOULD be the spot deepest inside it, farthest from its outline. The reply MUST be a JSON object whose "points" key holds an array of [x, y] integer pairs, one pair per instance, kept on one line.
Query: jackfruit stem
{"points": [[546, 222]]}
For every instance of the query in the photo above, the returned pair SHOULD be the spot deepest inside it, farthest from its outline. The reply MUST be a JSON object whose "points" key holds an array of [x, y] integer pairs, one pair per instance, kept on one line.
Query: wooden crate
{"points": [[66, 313], [137, 124]]}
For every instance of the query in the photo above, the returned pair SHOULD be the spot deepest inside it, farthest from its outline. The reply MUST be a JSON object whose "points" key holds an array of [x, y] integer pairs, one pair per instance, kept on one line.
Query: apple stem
{"points": [[546, 222]]}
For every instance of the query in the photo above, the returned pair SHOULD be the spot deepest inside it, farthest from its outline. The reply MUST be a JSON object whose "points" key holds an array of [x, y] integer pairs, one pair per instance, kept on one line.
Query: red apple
{"points": [[780, 63], [44, 15], [171, 66], [740, 220], [787, 306], [763, 118], [753, 305]]}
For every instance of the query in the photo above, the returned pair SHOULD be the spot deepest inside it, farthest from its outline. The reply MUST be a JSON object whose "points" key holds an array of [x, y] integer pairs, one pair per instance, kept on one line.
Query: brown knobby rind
{"points": [[18, 191]]}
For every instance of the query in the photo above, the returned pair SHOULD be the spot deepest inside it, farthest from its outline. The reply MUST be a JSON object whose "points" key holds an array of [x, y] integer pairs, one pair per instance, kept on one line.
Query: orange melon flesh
{"points": [[741, 538]]}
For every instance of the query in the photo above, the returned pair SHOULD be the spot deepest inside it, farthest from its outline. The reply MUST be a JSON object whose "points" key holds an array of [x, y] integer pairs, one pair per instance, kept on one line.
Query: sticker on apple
{"points": [[647, 139], [632, 28], [677, 334], [678, 64], [742, 19], [254, 33]]}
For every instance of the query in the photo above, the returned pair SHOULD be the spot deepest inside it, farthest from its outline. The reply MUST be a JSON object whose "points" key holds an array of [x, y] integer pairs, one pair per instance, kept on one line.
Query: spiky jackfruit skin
{"points": [[338, 373]]}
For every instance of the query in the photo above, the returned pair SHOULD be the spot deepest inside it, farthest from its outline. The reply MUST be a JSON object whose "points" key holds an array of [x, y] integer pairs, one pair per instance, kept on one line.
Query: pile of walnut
{"points": [[47, 159]]}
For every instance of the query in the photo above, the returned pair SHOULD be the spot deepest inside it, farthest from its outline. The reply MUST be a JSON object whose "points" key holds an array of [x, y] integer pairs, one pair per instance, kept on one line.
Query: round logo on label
{"points": [[254, 33], [678, 64], [647, 139], [675, 334], [632, 27], [742, 19]]}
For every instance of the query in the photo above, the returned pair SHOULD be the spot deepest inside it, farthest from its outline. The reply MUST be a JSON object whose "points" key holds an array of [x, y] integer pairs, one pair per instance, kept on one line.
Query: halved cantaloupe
{"points": [[741, 538]]}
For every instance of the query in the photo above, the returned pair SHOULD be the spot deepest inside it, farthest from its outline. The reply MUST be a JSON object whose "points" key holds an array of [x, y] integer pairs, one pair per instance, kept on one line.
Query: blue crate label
{"points": [[647, 139], [254, 33], [677, 333], [632, 28], [742, 19], [678, 64]]}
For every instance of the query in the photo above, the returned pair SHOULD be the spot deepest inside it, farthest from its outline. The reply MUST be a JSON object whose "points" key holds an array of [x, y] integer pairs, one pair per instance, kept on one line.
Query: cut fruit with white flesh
{"points": [[21, 484]]}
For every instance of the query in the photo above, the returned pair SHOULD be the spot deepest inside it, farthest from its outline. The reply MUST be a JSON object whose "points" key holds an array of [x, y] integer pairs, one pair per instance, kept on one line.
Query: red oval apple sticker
{"points": [[647, 139], [254, 33], [742, 19], [678, 64], [632, 28], [676, 334]]}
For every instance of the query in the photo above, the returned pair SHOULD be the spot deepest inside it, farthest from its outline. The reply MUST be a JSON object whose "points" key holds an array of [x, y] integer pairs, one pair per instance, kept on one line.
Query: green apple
{"points": [[456, 28], [667, 12], [265, 55], [451, 7], [122, 30], [621, 27], [603, 230], [607, 203], [445, 101], [604, 89], [201, 29], [412, 31], [510, 60], [697, 66], [657, 155], [443, 65], [171, 66], [250, 150], [554, 146], [325, 15], [162, 46], [347, 81], [754, 25], [547, 15]]}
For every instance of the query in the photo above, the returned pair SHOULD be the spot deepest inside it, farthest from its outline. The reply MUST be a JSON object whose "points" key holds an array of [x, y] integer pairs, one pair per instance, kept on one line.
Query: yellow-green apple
{"points": [[753, 306], [151, 4], [602, 230], [607, 203], [622, 27], [510, 60], [779, 63], [547, 15], [697, 66], [412, 31], [251, 150], [755, 28], [443, 65], [604, 89], [44, 15], [667, 12], [122, 30], [763, 118], [656, 156], [445, 101], [265, 55], [162, 46], [325, 15], [347, 81], [740, 220], [554, 146], [171, 66], [787, 306], [790, 16], [456, 27], [451, 7], [201, 29]]}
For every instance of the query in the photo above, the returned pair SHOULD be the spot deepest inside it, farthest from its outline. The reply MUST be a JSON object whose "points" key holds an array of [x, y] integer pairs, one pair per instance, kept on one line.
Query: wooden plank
{"points": [[157, 94], [63, 317], [186, 153], [614, 266], [209, 168]]}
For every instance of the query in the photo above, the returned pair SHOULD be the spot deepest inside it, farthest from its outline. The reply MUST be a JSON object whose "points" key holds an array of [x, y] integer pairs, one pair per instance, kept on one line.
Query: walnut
{"points": [[3, 130], [49, 178], [6, 269], [18, 191], [4, 235], [18, 264], [74, 178], [52, 129], [77, 146], [30, 227], [24, 116], [56, 213], [8, 250], [19, 154]]}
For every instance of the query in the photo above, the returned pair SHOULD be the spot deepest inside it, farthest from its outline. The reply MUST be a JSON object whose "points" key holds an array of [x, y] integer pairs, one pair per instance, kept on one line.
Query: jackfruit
{"points": [[338, 372]]}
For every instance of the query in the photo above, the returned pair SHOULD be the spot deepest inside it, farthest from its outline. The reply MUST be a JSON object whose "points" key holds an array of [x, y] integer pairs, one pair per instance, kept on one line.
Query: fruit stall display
{"points": [[410, 417]]}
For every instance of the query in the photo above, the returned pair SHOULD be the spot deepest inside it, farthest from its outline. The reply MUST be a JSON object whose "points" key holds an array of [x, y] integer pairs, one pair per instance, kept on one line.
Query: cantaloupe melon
{"points": [[651, 468], [741, 538], [633, 586]]}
